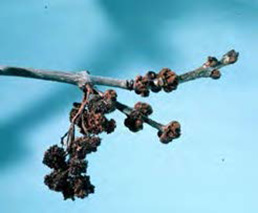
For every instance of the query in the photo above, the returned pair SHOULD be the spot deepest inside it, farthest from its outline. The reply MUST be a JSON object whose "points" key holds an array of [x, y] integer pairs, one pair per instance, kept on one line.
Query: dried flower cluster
{"points": [[69, 164]]}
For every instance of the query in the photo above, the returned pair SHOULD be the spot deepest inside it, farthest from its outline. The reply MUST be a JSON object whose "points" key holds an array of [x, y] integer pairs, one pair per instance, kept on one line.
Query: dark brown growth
{"points": [[215, 74], [170, 132], [166, 79], [69, 164], [134, 120]]}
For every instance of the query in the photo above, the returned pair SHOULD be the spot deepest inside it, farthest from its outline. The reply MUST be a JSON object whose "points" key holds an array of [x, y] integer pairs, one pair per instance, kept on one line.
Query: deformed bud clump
{"points": [[54, 157], [166, 79], [135, 119], [170, 132], [69, 164]]}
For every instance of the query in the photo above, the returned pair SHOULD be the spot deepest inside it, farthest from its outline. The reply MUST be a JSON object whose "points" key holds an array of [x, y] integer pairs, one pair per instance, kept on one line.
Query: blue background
{"points": [[212, 167]]}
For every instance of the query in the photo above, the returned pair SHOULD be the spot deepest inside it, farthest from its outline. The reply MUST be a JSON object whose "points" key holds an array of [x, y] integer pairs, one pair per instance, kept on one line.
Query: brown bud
{"points": [[144, 108], [170, 132], [168, 79], [134, 121], [141, 86], [215, 74], [230, 57]]}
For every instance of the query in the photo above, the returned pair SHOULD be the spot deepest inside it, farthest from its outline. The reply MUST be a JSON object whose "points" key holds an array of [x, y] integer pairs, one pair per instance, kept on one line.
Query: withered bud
{"points": [[144, 108], [82, 186], [110, 126], [167, 79], [134, 121], [84, 145], [68, 192], [141, 86], [98, 104], [56, 180], [77, 166], [170, 132], [54, 158], [215, 74]]}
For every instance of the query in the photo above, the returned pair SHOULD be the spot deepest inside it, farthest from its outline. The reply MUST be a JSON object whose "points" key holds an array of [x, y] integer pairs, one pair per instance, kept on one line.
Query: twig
{"points": [[212, 64], [127, 110], [83, 77]]}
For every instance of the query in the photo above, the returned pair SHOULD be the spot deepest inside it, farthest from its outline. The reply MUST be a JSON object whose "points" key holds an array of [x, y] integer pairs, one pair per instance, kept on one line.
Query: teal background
{"points": [[211, 168]]}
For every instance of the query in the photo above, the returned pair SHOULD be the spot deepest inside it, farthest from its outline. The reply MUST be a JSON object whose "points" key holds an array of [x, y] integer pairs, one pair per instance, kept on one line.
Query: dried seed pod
{"points": [[144, 108], [54, 158], [170, 132]]}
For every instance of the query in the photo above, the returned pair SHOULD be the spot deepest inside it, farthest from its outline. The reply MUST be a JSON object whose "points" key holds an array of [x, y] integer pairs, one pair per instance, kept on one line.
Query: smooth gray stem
{"points": [[78, 78], [99, 80], [60, 76], [127, 110]]}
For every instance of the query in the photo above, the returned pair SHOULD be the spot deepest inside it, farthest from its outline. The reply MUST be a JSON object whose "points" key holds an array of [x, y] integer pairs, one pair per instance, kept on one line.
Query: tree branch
{"points": [[83, 77]]}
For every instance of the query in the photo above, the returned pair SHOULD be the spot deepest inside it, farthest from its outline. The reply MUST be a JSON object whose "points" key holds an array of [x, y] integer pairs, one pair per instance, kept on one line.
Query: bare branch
{"points": [[78, 78], [83, 77]]}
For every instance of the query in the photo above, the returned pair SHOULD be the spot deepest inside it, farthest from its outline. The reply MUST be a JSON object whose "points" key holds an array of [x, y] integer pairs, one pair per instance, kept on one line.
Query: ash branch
{"points": [[83, 77]]}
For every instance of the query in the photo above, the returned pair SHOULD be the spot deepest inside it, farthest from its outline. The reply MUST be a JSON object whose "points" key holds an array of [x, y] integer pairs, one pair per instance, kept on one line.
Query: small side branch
{"points": [[127, 110]]}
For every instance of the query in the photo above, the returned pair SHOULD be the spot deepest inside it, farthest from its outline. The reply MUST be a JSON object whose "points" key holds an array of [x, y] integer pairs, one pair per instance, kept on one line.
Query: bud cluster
{"points": [[69, 166], [134, 120], [166, 79], [170, 132], [92, 119]]}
